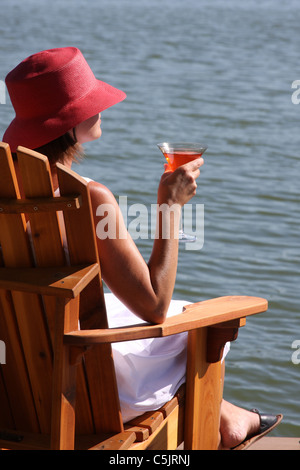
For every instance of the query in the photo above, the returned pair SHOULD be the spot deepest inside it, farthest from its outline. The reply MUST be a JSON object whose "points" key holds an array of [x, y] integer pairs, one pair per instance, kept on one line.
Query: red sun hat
{"points": [[52, 92]]}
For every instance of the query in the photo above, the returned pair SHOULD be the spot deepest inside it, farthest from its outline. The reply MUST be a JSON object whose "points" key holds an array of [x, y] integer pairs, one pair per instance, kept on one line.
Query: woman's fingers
{"points": [[180, 185]]}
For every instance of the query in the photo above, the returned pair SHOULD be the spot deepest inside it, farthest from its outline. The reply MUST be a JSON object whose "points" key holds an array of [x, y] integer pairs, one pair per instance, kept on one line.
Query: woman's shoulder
{"points": [[100, 193]]}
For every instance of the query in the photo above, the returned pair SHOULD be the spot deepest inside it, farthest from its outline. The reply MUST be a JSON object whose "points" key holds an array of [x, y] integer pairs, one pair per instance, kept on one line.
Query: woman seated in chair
{"points": [[58, 102]]}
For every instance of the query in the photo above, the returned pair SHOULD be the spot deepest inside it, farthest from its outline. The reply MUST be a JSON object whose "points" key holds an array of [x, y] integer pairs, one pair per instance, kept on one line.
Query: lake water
{"points": [[212, 71]]}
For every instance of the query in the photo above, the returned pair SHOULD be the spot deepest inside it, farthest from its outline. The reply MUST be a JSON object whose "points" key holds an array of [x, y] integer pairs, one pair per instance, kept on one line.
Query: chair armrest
{"points": [[221, 311], [62, 281]]}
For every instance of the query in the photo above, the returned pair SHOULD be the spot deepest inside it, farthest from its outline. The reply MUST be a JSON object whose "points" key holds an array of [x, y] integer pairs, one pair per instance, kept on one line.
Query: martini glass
{"points": [[178, 154]]}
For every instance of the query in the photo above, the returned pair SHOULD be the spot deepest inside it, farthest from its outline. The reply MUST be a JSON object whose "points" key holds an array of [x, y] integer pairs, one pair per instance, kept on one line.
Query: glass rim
{"points": [[182, 145]]}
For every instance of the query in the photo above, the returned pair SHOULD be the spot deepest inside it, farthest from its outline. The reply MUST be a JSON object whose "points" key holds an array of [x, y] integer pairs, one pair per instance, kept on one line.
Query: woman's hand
{"points": [[179, 186]]}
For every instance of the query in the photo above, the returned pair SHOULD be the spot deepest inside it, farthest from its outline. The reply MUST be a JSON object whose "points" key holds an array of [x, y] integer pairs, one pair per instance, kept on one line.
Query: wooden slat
{"points": [[49, 251], [16, 252], [169, 406], [81, 239], [36, 181], [120, 441], [168, 436], [17, 405], [144, 427], [82, 249], [142, 434], [35, 166], [150, 420], [15, 374]]}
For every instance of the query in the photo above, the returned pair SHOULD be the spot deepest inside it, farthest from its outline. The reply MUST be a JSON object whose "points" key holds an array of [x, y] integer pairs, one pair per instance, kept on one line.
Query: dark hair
{"points": [[60, 149]]}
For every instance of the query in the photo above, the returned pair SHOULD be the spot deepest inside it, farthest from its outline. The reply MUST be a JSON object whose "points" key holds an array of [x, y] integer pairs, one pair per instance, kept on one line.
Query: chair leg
{"points": [[204, 390], [64, 381]]}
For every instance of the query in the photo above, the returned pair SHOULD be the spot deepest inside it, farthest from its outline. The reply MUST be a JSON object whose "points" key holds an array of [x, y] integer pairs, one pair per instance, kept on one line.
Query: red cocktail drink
{"points": [[177, 158], [178, 154]]}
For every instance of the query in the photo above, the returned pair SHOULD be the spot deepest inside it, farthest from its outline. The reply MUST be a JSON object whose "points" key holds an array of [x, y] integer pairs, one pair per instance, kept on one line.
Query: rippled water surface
{"points": [[212, 71]]}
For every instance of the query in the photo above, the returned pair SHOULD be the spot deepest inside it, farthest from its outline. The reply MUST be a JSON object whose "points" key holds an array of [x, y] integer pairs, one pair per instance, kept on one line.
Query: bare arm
{"points": [[146, 289]]}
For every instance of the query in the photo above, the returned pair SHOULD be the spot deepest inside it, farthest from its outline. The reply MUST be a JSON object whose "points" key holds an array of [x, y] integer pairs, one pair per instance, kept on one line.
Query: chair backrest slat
{"points": [[17, 309], [47, 239], [44, 226], [82, 249]]}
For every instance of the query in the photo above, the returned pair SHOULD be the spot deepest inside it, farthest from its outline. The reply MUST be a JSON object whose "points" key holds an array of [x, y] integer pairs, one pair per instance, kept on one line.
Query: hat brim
{"points": [[33, 133]]}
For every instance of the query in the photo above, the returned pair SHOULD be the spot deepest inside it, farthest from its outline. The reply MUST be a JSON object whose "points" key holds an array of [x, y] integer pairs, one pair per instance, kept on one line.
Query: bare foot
{"points": [[236, 424]]}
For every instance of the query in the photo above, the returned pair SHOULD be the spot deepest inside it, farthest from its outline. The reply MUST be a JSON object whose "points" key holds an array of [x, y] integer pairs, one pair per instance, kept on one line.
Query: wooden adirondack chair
{"points": [[57, 386]]}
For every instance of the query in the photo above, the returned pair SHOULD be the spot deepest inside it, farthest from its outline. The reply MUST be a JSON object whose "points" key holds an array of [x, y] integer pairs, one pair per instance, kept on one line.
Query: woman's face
{"points": [[89, 130]]}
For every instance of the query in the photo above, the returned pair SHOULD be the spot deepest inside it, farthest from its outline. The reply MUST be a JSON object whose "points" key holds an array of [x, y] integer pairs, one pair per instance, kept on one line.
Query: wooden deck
{"points": [[272, 443], [277, 443]]}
